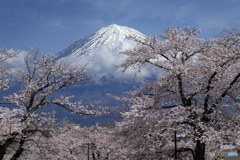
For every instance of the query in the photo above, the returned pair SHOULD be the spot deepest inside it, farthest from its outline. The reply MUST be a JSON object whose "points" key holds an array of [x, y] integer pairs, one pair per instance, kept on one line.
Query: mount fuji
{"points": [[111, 37], [100, 53]]}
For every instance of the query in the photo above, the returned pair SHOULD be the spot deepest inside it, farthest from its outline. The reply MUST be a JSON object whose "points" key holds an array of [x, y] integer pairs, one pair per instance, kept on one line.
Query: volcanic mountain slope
{"points": [[99, 52], [110, 37]]}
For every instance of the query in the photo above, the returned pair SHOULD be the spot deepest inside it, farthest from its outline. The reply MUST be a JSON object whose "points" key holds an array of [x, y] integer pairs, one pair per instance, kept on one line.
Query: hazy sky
{"points": [[52, 25]]}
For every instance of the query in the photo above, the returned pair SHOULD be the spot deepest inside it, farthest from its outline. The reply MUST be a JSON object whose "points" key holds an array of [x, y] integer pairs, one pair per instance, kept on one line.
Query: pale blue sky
{"points": [[52, 25]]}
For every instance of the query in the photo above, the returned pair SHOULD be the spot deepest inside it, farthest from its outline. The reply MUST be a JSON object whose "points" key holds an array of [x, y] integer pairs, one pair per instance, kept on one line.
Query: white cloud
{"points": [[104, 64], [18, 60]]}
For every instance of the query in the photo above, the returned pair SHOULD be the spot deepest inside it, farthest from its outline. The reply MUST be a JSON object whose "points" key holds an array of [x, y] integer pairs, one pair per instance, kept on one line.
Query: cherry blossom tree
{"points": [[6, 115], [36, 82], [73, 142], [196, 94], [5, 77]]}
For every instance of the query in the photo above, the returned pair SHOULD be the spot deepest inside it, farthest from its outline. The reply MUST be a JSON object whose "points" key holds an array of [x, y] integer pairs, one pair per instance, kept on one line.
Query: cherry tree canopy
{"points": [[197, 93], [37, 81]]}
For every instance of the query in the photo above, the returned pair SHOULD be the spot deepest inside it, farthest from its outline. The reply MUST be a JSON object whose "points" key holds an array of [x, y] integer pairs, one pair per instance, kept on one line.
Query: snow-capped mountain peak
{"points": [[109, 36]]}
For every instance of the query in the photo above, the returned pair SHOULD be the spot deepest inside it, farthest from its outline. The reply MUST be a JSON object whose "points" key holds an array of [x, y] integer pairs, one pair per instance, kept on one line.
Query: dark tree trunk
{"points": [[199, 151], [2, 152], [20, 150], [93, 156], [6, 144]]}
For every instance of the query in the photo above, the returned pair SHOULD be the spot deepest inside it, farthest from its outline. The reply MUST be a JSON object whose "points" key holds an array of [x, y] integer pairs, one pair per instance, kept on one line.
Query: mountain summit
{"points": [[99, 53], [110, 37]]}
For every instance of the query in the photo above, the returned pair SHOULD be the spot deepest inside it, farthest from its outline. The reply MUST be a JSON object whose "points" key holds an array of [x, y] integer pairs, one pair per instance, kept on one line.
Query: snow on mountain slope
{"points": [[100, 52], [110, 37]]}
